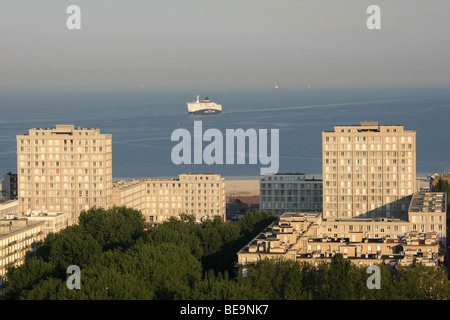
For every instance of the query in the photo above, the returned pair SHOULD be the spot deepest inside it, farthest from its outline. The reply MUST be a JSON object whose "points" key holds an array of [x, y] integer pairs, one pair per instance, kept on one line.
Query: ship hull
{"points": [[205, 112]]}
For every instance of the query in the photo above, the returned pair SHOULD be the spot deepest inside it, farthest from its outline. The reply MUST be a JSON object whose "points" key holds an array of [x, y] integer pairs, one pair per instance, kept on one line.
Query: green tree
{"points": [[24, 277], [219, 287], [47, 289], [277, 280], [43, 250], [73, 246], [315, 279], [340, 279], [115, 227], [180, 231], [294, 289], [255, 221], [219, 244], [386, 292], [169, 270], [421, 283], [112, 282]]}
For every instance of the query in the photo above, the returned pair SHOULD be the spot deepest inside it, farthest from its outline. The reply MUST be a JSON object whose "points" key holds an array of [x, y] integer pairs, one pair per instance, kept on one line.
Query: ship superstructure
{"points": [[204, 107]]}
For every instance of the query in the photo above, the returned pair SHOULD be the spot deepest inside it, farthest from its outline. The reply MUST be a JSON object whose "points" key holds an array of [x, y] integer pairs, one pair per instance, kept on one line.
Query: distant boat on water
{"points": [[204, 107]]}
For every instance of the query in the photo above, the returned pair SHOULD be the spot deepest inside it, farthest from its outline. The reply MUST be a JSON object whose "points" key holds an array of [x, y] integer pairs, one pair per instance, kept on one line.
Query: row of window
{"points": [[371, 147], [291, 185], [56, 164], [378, 184], [17, 238], [372, 162], [291, 192], [195, 178], [291, 199], [303, 206], [365, 139], [58, 142], [284, 178], [364, 176], [364, 191], [186, 185], [371, 169], [371, 154], [374, 213], [186, 205], [166, 212], [43, 151], [366, 198]]}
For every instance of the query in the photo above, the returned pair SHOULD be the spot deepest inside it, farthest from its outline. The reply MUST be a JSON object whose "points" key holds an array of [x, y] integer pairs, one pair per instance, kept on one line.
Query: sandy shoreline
{"points": [[236, 188]]}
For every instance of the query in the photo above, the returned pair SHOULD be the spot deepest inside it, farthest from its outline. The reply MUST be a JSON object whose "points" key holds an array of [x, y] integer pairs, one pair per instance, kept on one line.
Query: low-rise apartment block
{"points": [[290, 192], [53, 222], [309, 237], [19, 239], [8, 208], [201, 195], [428, 213]]}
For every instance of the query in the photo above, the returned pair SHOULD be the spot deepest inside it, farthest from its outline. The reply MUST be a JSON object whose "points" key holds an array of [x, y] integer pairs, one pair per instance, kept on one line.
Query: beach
{"points": [[241, 187]]}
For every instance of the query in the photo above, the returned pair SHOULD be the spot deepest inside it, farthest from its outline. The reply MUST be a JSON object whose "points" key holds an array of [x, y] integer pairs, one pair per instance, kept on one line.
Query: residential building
{"points": [[428, 213], [8, 208], [372, 210], [201, 195], [132, 194], [53, 222], [64, 169], [282, 239], [375, 228], [306, 237], [369, 170], [19, 239], [290, 192], [9, 186]]}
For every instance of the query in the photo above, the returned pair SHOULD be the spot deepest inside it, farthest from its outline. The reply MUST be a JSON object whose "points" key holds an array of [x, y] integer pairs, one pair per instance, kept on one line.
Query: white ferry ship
{"points": [[205, 107]]}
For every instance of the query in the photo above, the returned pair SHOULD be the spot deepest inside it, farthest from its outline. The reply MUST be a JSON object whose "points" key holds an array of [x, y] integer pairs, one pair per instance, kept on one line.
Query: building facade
{"points": [[19, 239], [201, 195], [428, 213], [369, 170], [8, 208], [372, 210], [53, 222], [64, 169], [290, 192], [307, 237], [9, 186]]}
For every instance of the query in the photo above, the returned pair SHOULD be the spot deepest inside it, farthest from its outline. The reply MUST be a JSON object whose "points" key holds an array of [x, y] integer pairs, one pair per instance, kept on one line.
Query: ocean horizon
{"points": [[141, 122]]}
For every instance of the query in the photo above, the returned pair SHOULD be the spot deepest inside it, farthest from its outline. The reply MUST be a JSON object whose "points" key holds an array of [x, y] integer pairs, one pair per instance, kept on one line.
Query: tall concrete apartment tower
{"points": [[369, 170], [64, 169]]}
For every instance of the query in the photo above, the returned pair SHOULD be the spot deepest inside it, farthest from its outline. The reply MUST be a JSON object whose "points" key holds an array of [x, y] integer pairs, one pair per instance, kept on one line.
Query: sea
{"points": [[142, 120]]}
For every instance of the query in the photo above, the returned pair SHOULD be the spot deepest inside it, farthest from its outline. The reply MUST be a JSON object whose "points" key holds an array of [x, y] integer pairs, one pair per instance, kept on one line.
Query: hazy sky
{"points": [[223, 43]]}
